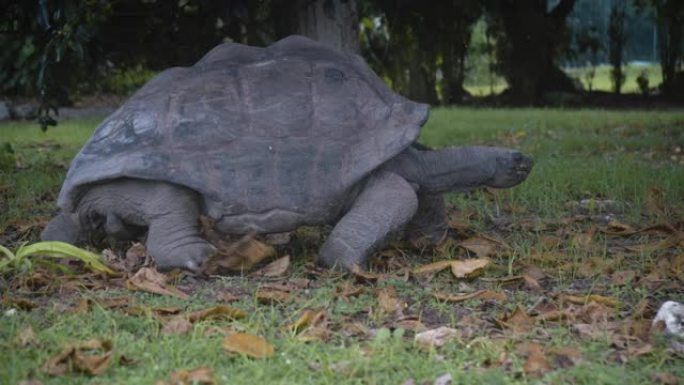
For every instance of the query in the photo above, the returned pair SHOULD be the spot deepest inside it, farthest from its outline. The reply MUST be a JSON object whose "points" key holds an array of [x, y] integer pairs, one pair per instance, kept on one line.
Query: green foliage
{"points": [[20, 260], [125, 81]]}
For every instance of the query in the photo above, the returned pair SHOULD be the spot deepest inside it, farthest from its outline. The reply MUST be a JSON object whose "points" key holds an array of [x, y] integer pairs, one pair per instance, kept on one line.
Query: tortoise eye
{"points": [[334, 75]]}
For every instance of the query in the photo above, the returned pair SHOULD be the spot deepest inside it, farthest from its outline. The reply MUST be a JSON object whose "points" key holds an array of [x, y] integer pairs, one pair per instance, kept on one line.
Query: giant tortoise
{"points": [[265, 140]]}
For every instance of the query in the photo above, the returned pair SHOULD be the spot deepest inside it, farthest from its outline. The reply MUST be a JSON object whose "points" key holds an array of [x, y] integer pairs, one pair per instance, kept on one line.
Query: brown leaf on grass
{"points": [[536, 364], [617, 228], [274, 269], [412, 324], [389, 302], [674, 240], [484, 295], [219, 311], [433, 267], [177, 325], [623, 277], [564, 357], [201, 375], [241, 255], [665, 378], [152, 281], [308, 318], [482, 247], [18, 303], [269, 296], [469, 268], [25, 337], [435, 338], [594, 312], [583, 300], [182, 323], [655, 205], [248, 345], [584, 241], [91, 357], [227, 297], [518, 320], [347, 290]]}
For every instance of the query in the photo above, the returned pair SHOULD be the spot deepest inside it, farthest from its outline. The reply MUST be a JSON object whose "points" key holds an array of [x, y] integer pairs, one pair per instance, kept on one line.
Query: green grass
{"points": [[614, 155], [601, 80]]}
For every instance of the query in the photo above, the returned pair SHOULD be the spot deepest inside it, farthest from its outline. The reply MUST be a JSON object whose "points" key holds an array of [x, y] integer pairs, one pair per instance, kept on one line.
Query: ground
{"points": [[573, 264]]}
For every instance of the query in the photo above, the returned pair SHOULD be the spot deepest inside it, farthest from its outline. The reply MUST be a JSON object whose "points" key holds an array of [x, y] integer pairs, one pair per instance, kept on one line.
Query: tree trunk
{"points": [[332, 22], [527, 56]]}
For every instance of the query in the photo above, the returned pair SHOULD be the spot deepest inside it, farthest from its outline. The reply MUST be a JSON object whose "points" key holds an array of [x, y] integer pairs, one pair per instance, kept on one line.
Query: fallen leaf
{"points": [[241, 255], [177, 325], [584, 241], [307, 319], [228, 297], [617, 228], [222, 311], [274, 269], [583, 300], [248, 345], [482, 247], [665, 378], [564, 357], [411, 324], [518, 320], [435, 338], [389, 302], [654, 202], [81, 358], [269, 296], [469, 268], [25, 337], [152, 281], [536, 363], [201, 375], [432, 267], [485, 295], [623, 277], [347, 290]]}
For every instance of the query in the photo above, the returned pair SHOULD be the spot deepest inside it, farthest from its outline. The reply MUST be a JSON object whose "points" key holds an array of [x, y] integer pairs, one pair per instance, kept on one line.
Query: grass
{"points": [[600, 81], [618, 156]]}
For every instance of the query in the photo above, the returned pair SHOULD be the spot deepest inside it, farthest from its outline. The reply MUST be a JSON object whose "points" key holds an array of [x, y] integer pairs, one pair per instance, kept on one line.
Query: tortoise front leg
{"points": [[383, 207]]}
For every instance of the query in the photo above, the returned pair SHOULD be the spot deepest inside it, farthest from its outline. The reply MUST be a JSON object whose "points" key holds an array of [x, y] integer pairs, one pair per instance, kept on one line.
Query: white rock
{"points": [[672, 314]]}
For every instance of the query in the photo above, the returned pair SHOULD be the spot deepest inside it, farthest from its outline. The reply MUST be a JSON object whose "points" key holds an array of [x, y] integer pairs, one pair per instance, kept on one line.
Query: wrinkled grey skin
{"points": [[267, 140]]}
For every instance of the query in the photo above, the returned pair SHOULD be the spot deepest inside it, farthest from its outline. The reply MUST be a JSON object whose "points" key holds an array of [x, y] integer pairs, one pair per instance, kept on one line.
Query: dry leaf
{"points": [[201, 375], [270, 296], [25, 337], [665, 378], [536, 363], [584, 241], [564, 357], [582, 300], [227, 297], [152, 281], [654, 202], [274, 269], [241, 255], [411, 324], [435, 338], [482, 247], [177, 325], [136, 257], [469, 268], [518, 320], [432, 267], [485, 295], [80, 358], [248, 345], [216, 311], [389, 302], [307, 319], [347, 290]]}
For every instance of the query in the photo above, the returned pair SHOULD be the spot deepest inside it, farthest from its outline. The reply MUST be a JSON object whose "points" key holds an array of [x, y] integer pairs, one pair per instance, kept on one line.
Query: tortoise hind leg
{"points": [[385, 205], [430, 221]]}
